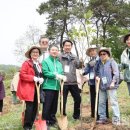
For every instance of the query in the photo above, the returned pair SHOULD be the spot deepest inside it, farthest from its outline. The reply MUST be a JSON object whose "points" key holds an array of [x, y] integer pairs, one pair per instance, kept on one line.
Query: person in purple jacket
{"points": [[108, 73], [2, 92]]}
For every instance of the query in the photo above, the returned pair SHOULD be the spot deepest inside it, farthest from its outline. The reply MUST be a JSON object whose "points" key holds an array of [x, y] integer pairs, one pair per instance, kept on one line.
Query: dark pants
{"points": [[74, 90], [92, 98], [50, 106], [1, 105], [30, 112]]}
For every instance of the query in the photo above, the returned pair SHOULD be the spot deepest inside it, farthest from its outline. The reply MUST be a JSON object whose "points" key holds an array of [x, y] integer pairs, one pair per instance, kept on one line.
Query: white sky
{"points": [[15, 17]]}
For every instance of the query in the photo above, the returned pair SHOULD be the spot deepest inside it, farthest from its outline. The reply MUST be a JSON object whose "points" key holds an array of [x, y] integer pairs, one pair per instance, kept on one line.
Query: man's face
{"points": [[67, 47], [44, 43]]}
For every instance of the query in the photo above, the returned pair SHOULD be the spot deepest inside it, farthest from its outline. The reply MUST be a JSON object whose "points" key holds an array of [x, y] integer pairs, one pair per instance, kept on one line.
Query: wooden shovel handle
{"points": [[61, 94], [38, 92], [96, 101]]}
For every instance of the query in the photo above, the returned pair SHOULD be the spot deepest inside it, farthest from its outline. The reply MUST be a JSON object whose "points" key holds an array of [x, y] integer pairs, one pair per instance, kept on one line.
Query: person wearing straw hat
{"points": [[125, 61], [26, 85], [90, 71], [108, 72]]}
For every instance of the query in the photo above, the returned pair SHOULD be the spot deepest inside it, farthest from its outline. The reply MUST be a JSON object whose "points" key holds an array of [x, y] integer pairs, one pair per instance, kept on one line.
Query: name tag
{"points": [[104, 80], [91, 75], [66, 69]]}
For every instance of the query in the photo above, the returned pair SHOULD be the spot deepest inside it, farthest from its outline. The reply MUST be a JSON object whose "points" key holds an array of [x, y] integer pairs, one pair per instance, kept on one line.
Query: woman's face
{"points": [[93, 52], [128, 42], [34, 54], [54, 51], [104, 55]]}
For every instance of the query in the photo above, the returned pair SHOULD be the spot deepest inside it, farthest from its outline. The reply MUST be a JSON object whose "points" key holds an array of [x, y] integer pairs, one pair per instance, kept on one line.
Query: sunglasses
{"points": [[103, 54]]}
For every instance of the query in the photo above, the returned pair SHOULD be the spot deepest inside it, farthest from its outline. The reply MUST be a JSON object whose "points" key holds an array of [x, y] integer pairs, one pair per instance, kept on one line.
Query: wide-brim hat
{"points": [[105, 49], [91, 47], [27, 54]]}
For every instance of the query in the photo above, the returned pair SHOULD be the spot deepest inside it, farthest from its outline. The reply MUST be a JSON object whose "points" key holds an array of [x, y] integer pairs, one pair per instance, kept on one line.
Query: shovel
{"points": [[39, 123], [23, 112], [96, 102], [62, 120]]}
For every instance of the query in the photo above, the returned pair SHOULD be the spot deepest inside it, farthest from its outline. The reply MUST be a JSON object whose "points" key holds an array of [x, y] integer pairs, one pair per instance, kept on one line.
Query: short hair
{"points": [[67, 41], [126, 38], [53, 45], [42, 38]]}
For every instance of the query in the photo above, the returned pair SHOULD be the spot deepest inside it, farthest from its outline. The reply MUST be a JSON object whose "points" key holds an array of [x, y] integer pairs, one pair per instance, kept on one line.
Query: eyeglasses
{"points": [[103, 54], [36, 52]]}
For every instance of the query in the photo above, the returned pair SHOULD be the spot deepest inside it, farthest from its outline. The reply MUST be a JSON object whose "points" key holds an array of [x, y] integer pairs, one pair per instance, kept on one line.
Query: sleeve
{"points": [[115, 71], [86, 70], [46, 71], [96, 68], [24, 75]]}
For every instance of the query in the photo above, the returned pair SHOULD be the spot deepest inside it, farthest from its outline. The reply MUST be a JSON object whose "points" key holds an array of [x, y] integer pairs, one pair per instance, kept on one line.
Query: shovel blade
{"points": [[40, 125], [62, 122]]}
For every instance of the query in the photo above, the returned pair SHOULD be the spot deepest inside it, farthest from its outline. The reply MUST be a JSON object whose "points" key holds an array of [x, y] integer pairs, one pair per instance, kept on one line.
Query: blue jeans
{"points": [[103, 95], [128, 85]]}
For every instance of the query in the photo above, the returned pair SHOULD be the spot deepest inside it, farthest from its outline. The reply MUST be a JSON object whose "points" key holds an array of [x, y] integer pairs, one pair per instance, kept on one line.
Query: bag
{"points": [[121, 75], [42, 95], [127, 75]]}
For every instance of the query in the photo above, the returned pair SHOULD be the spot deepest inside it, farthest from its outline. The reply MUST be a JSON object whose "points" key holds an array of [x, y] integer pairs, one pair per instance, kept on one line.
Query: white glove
{"points": [[61, 77], [36, 79], [40, 80]]}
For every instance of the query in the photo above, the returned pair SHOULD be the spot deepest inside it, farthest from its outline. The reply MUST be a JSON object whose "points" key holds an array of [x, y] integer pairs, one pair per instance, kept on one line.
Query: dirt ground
{"points": [[87, 123]]}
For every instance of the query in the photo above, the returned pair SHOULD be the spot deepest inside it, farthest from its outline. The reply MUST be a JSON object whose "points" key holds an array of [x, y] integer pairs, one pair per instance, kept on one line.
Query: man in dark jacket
{"points": [[70, 63]]}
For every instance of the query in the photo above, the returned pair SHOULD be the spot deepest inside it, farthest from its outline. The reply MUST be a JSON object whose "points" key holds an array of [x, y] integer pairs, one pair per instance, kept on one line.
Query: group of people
{"points": [[49, 72], [47, 67]]}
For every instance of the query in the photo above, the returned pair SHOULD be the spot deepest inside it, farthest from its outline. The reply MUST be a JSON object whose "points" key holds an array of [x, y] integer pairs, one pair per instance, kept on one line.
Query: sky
{"points": [[15, 17]]}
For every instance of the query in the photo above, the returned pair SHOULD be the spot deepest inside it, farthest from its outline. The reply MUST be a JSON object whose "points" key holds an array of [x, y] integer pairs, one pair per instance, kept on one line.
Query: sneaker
{"points": [[101, 121], [117, 123]]}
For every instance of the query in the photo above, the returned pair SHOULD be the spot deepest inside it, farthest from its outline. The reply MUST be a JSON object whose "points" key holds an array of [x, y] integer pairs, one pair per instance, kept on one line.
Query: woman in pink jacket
{"points": [[29, 74]]}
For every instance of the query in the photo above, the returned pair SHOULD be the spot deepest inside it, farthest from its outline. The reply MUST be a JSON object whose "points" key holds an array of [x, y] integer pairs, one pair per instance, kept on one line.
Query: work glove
{"points": [[112, 85], [36, 79], [40, 80], [61, 77]]}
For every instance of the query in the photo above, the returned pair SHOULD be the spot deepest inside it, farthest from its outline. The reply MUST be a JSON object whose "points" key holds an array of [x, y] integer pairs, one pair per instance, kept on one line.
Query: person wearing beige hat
{"points": [[30, 73], [107, 71], [90, 71]]}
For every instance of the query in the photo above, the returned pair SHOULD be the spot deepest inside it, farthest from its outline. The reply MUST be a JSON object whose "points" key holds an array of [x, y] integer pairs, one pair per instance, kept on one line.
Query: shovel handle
{"points": [[38, 93], [96, 101], [61, 94]]}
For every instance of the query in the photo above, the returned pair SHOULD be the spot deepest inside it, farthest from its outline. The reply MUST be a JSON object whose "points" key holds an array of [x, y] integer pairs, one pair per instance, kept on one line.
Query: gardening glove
{"points": [[40, 80], [112, 85], [61, 77], [97, 78], [36, 79]]}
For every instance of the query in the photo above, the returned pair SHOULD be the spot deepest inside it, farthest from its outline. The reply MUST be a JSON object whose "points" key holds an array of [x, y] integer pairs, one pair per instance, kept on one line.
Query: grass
{"points": [[11, 119]]}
